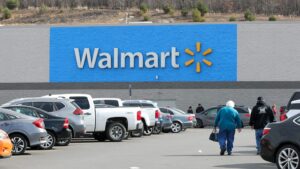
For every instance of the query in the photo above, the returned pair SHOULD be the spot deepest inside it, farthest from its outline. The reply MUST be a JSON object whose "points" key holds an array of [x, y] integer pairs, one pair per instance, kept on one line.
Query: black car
{"points": [[57, 127], [207, 117], [280, 143]]}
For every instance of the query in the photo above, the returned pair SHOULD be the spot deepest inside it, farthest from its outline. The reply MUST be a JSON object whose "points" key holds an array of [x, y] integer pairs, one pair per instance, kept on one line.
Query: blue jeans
{"points": [[258, 135], [226, 139]]}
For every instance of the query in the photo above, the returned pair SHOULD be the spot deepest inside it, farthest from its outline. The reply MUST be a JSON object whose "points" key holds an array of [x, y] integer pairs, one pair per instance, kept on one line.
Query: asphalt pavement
{"points": [[186, 150]]}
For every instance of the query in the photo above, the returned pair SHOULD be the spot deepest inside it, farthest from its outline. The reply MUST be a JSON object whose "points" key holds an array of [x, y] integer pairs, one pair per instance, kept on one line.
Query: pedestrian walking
{"points": [[274, 109], [261, 115], [227, 120], [200, 108], [190, 110]]}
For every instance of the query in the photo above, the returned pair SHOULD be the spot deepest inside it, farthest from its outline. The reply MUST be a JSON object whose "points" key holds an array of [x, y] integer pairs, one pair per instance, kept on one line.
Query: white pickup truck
{"points": [[111, 123], [150, 112]]}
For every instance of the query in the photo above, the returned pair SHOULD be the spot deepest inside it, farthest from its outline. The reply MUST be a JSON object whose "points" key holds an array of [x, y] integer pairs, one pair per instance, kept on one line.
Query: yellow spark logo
{"points": [[191, 53]]}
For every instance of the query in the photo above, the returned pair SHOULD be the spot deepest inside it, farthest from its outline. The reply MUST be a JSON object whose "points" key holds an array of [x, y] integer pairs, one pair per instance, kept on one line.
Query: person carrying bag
{"points": [[227, 120]]}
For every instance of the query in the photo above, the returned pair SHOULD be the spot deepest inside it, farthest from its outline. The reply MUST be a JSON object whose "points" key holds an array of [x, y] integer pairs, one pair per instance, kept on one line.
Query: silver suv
{"points": [[60, 107]]}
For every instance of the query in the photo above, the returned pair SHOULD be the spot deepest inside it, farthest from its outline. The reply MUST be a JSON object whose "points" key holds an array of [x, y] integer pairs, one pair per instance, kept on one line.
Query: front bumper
{"points": [[63, 135]]}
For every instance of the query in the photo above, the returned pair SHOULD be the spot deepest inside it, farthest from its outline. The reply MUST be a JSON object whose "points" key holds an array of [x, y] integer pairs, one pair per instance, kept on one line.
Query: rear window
{"points": [[74, 104], [131, 105], [47, 106], [147, 105], [112, 103], [295, 106], [82, 102]]}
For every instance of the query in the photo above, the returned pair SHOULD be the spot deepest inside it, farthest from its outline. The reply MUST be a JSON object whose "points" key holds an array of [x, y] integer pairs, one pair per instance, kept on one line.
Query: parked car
{"points": [[207, 117], [56, 127], [281, 143], [5, 144], [150, 114], [113, 123], [193, 115], [24, 131], [180, 120], [60, 107]]}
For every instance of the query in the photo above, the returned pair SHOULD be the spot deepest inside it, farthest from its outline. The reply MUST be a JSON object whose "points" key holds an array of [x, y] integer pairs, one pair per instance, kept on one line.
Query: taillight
{"points": [[157, 114], [266, 131], [39, 123], [190, 118], [78, 111], [247, 115], [139, 115], [283, 117], [66, 123]]}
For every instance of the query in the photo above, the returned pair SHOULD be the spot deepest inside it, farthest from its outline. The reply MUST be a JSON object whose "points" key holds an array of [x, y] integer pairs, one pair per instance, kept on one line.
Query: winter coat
{"points": [[261, 115], [228, 119]]}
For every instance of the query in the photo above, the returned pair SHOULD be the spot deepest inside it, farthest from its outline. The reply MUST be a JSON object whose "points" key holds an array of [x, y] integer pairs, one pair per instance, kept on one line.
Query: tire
{"points": [[148, 131], [157, 129], [176, 127], [166, 130], [199, 124], [50, 141], [64, 142], [100, 136], [288, 157], [19, 144], [115, 132]]}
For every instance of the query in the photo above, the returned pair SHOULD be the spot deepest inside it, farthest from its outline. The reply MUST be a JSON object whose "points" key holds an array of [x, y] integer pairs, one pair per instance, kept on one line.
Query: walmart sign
{"points": [[152, 53]]}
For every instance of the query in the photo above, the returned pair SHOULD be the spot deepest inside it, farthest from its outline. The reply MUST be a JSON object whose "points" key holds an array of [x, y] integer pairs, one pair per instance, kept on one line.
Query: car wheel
{"points": [[148, 131], [50, 141], [199, 124], [100, 136], [19, 144], [64, 142], [288, 157], [115, 132], [157, 129], [176, 127]]}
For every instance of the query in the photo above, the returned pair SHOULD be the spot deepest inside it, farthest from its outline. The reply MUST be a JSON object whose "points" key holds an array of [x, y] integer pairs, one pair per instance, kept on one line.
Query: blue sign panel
{"points": [[148, 53]]}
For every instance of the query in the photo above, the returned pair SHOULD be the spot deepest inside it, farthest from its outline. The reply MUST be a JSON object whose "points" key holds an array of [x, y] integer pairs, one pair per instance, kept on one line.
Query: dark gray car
{"points": [[207, 117], [59, 107], [24, 131]]}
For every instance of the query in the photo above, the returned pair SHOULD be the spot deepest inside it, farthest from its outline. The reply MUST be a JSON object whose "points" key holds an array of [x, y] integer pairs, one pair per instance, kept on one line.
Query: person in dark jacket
{"points": [[227, 120], [200, 108], [190, 110], [261, 115]]}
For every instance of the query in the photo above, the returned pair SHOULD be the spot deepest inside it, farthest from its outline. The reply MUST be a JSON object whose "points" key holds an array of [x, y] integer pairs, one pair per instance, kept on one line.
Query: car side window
{"points": [[47, 106], [147, 105], [112, 103], [26, 111], [2, 117], [163, 110], [59, 105], [43, 115], [11, 117], [212, 112]]}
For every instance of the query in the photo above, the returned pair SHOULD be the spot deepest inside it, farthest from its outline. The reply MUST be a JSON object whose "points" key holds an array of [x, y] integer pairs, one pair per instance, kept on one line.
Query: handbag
{"points": [[214, 136]]}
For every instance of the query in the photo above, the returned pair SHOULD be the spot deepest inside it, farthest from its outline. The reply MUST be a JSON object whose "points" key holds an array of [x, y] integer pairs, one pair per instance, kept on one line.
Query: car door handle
{"points": [[88, 114]]}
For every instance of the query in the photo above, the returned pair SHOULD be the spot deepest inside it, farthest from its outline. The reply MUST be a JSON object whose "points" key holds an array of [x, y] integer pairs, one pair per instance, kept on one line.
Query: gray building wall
{"points": [[24, 53]]}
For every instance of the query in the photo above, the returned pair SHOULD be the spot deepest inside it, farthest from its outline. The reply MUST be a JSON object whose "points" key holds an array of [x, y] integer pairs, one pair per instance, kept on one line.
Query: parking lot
{"points": [[186, 150]]}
